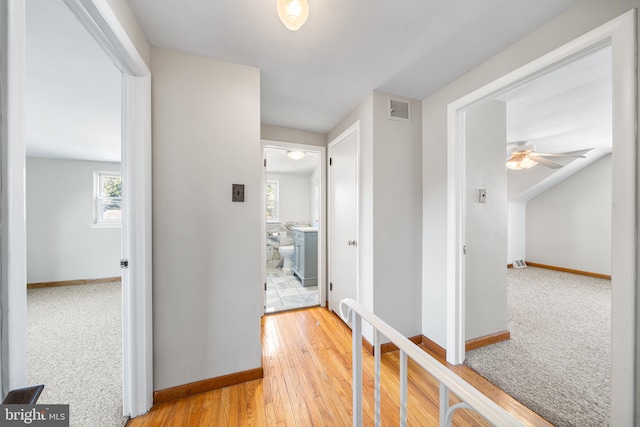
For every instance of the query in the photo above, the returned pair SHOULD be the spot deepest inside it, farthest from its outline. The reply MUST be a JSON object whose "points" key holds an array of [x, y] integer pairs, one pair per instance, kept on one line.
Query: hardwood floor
{"points": [[307, 382]]}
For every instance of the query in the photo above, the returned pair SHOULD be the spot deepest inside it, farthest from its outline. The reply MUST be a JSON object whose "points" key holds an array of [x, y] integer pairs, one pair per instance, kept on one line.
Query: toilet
{"points": [[287, 254]]}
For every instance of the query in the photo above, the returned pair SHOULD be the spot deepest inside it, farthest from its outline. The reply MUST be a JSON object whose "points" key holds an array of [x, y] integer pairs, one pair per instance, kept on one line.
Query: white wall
{"points": [[397, 213], [390, 212], [61, 244], [486, 223], [276, 133], [207, 293], [516, 229], [570, 225], [294, 196], [582, 18]]}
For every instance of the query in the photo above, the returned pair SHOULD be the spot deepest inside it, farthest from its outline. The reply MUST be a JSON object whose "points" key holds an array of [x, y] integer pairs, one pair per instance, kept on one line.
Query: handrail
{"points": [[447, 378]]}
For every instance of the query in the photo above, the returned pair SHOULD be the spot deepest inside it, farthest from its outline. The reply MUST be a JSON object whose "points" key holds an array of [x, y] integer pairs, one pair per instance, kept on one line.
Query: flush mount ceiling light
{"points": [[296, 155], [293, 13]]}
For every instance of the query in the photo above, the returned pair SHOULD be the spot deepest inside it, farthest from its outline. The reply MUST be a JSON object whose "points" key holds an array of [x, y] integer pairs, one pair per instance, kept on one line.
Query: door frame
{"points": [[620, 33], [353, 128], [13, 331], [98, 18], [322, 221]]}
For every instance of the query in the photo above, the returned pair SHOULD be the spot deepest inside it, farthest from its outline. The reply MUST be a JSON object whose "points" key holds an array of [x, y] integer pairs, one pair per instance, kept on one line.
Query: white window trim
{"points": [[277, 200], [97, 222]]}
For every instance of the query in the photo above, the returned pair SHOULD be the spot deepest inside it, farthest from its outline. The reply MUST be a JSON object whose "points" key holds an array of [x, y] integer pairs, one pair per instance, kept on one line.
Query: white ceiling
{"points": [[279, 162], [72, 90], [310, 78], [313, 77]]}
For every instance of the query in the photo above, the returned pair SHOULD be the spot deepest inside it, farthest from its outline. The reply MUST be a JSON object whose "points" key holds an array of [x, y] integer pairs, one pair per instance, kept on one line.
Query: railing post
{"points": [[356, 367], [403, 388], [444, 404], [450, 383], [377, 356]]}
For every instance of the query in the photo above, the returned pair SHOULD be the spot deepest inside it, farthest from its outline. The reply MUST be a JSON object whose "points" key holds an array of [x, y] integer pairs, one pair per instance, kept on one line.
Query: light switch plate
{"points": [[482, 195], [237, 192]]}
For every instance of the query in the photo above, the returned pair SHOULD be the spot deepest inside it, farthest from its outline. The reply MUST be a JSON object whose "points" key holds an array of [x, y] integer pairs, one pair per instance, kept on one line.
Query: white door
{"points": [[343, 218]]}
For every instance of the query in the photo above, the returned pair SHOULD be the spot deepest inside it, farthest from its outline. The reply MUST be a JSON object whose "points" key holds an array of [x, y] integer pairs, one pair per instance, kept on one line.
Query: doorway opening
{"points": [[135, 89], [553, 209], [620, 34], [294, 244], [73, 144]]}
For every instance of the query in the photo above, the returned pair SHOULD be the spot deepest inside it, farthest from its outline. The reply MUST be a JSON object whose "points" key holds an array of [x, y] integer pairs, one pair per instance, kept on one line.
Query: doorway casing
{"points": [[322, 223], [620, 33]]}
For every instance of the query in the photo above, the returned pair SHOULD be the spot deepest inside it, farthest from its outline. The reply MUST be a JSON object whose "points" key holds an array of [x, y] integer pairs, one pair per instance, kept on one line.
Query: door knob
{"points": [[351, 242]]}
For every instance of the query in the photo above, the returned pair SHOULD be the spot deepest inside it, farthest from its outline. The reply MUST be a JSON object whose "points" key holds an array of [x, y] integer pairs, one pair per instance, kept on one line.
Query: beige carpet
{"points": [[558, 359], [74, 348]]}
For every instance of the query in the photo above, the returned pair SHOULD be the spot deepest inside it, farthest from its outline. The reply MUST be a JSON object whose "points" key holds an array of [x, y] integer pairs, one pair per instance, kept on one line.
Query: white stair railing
{"points": [[470, 397]]}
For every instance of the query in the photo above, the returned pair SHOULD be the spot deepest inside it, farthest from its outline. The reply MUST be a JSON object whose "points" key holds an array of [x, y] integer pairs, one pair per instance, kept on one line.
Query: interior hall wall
{"points": [[282, 134], [397, 211], [207, 294]]}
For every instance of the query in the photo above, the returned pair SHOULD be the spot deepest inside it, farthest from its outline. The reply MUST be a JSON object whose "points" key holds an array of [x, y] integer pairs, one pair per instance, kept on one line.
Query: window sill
{"points": [[107, 225]]}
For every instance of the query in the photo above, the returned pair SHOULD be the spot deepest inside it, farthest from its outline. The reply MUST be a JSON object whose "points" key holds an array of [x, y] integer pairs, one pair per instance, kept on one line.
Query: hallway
{"points": [[307, 381]]}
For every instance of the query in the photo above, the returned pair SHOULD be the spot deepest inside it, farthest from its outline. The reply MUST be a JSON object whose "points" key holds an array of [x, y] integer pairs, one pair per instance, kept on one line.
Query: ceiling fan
{"points": [[525, 156]]}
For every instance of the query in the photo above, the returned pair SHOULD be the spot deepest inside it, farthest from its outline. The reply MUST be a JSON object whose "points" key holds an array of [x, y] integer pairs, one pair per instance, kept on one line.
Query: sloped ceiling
{"points": [[567, 109], [570, 107]]}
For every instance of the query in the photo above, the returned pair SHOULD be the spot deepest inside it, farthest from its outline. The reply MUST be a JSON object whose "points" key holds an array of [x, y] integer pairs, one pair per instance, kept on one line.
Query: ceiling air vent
{"points": [[399, 110]]}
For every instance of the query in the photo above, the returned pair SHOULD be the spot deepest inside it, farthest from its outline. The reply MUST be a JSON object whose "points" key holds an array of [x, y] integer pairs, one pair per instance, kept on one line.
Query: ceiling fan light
{"points": [[527, 163], [520, 160], [296, 155], [293, 13], [514, 165]]}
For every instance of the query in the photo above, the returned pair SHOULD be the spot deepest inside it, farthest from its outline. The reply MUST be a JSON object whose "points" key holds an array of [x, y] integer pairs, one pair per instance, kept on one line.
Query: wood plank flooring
{"points": [[307, 382]]}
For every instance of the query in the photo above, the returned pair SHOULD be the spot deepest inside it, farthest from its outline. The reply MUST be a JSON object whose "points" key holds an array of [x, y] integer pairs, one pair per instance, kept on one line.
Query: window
{"points": [[272, 201], [107, 199]]}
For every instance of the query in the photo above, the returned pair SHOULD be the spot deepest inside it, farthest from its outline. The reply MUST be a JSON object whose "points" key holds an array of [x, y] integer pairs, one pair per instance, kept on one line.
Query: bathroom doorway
{"points": [[293, 195]]}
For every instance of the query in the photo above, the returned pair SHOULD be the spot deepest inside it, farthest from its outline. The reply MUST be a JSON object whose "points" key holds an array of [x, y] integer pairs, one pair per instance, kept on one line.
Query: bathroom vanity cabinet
{"points": [[305, 255]]}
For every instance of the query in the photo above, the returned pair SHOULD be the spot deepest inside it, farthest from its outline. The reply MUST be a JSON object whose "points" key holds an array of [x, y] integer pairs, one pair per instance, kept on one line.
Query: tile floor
{"points": [[285, 292]]}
